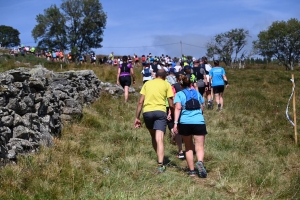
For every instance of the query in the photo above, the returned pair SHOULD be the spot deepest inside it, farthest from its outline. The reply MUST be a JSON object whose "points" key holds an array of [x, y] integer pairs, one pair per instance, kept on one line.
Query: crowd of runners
{"points": [[174, 94]]}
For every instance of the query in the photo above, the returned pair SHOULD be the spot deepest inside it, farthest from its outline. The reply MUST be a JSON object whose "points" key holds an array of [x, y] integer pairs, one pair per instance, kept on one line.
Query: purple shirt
{"points": [[125, 73]]}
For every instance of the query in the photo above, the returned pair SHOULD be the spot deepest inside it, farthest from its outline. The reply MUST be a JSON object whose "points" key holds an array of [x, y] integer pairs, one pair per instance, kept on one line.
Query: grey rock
{"points": [[22, 132], [65, 117], [37, 84], [7, 120], [11, 155], [2, 101], [18, 120], [19, 75]]}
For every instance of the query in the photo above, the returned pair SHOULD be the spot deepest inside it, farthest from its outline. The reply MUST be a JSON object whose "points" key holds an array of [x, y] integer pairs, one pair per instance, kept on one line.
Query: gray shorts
{"points": [[156, 120], [200, 83]]}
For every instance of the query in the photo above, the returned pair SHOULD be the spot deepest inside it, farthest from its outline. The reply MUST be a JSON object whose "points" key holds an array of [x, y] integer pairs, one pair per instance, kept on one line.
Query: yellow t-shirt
{"points": [[156, 91]]}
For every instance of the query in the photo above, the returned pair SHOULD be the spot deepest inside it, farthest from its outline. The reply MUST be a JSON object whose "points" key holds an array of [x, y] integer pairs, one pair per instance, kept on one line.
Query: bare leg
{"points": [[221, 99], [189, 146], [217, 96], [178, 140], [126, 89], [199, 147], [157, 137]]}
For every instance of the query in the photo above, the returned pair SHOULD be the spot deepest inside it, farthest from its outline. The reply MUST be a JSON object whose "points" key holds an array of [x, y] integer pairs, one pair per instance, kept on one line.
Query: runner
{"points": [[218, 79], [136, 60], [175, 138], [191, 124], [199, 72], [208, 93], [153, 101], [143, 59], [155, 67], [111, 58], [147, 73], [125, 71]]}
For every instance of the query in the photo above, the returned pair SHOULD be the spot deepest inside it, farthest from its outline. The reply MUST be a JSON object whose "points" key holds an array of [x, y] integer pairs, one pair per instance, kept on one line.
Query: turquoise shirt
{"points": [[217, 76], [189, 116]]}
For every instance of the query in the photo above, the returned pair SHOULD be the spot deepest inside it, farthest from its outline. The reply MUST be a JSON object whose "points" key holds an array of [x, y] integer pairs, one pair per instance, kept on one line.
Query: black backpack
{"points": [[191, 103], [154, 68]]}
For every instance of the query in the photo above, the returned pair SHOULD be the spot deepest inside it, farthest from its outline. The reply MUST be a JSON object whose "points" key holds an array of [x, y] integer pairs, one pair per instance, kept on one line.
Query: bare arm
{"points": [[139, 107], [177, 111], [205, 79], [210, 81], [171, 105], [137, 121], [118, 75], [225, 80]]}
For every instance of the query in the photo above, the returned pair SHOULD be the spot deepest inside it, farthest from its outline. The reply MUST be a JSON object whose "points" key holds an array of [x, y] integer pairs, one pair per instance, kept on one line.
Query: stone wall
{"points": [[35, 102]]}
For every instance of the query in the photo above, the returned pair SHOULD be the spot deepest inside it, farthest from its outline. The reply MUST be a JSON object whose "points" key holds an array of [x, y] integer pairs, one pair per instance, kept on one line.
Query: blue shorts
{"points": [[156, 120]]}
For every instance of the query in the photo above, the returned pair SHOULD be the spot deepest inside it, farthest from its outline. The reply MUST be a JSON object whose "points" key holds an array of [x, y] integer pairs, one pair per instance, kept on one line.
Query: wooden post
{"points": [[181, 47], [294, 110]]}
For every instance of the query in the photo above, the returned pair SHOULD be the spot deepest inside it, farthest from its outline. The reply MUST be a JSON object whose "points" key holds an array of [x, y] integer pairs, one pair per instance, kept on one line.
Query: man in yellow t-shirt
{"points": [[153, 101]]}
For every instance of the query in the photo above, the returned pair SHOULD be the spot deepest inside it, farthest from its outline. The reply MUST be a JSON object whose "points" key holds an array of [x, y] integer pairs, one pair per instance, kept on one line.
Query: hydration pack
{"points": [[147, 72], [192, 102]]}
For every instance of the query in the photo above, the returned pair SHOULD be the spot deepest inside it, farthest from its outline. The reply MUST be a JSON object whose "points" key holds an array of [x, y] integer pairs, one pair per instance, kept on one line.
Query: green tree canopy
{"points": [[227, 46], [51, 29], [281, 41], [78, 25], [9, 37]]}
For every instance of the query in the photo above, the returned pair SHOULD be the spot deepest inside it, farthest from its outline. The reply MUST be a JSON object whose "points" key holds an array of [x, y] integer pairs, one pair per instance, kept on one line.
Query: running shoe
{"points": [[201, 169], [209, 105], [161, 168], [180, 155], [192, 173], [219, 107]]}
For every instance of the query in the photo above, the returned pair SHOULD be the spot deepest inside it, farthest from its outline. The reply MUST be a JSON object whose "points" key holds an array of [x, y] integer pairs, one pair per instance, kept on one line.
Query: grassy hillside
{"points": [[250, 149]]}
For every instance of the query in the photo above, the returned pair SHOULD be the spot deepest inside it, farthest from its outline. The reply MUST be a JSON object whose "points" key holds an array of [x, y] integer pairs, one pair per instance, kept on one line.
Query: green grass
{"points": [[250, 148]]}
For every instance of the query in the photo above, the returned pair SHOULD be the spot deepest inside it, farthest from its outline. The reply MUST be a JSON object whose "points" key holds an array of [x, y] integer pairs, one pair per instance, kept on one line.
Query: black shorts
{"points": [[156, 120], [218, 89], [125, 81], [201, 90], [192, 129]]}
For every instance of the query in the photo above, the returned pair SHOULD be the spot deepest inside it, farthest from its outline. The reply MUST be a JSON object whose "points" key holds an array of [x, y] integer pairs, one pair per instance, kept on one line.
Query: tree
{"points": [[9, 37], [78, 25], [51, 29], [281, 41], [227, 46]]}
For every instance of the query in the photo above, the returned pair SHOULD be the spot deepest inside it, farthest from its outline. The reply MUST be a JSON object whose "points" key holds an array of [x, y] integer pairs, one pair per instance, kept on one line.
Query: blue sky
{"points": [[141, 27]]}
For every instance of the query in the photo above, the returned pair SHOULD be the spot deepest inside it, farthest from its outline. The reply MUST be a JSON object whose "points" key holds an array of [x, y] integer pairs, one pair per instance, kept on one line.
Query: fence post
{"points": [[294, 111]]}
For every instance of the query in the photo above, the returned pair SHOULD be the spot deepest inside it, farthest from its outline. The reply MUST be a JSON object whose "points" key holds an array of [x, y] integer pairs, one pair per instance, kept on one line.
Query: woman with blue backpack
{"points": [[147, 73], [190, 124]]}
